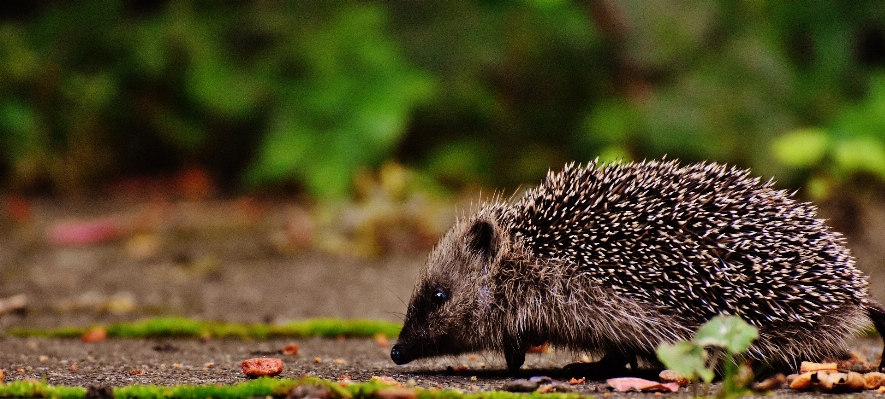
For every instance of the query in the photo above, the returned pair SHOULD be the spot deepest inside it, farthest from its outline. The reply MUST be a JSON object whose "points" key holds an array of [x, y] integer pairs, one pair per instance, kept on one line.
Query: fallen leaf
{"points": [[873, 380], [672, 376], [94, 335], [625, 384], [770, 383], [87, 232], [195, 183], [18, 209], [290, 350], [829, 381], [262, 366], [841, 382], [811, 366]]}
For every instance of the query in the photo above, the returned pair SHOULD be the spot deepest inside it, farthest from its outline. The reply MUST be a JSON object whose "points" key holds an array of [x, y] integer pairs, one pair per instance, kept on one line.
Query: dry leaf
{"points": [[88, 232], [873, 380], [262, 366], [625, 384], [543, 348], [770, 383], [811, 366], [672, 376], [290, 350], [829, 381], [94, 335], [841, 382]]}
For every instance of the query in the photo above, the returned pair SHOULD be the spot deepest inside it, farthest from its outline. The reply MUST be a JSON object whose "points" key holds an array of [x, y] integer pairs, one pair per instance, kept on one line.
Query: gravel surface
{"points": [[235, 273], [119, 362]]}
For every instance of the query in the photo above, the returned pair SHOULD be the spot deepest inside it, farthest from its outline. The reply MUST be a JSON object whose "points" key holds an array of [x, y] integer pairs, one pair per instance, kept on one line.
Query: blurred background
{"points": [[359, 128]]}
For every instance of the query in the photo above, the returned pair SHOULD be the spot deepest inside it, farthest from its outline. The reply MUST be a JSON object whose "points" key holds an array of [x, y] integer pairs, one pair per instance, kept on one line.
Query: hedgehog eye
{"points": [[439, 297]]}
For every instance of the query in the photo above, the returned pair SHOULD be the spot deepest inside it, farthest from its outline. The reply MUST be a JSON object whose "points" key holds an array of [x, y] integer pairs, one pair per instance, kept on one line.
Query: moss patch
{"points": [[262, 387], [188, 328]]}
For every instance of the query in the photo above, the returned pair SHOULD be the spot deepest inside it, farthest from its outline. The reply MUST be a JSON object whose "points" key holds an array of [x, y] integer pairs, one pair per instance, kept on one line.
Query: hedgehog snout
{"points": [[398, 355]]}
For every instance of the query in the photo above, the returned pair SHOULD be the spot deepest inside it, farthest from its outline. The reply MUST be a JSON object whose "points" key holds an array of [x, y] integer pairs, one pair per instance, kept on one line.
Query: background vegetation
{"points": [[269, 94]]}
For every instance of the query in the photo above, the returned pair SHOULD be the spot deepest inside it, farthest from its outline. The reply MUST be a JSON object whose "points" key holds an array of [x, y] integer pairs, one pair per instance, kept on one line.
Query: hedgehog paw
{"points": [[514, 355]]}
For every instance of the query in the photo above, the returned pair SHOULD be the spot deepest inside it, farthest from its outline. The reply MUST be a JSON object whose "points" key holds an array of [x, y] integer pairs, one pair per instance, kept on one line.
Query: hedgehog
{"points": [[614, 260]]}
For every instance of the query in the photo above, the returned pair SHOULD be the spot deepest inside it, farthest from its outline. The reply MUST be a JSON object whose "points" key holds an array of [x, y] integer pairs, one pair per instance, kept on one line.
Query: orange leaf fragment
{"points": [[291, 349], [543, 348], [262, 366], [811, 366], [626, 384], [94, 335], [381, 340]]}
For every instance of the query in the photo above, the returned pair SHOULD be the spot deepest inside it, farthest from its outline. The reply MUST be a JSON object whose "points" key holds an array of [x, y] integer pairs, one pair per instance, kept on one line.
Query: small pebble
{"points": [[520, 386]]}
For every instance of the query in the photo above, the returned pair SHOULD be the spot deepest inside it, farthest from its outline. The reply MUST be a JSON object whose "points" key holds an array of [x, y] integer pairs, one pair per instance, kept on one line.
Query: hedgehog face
{"points": [[451, 295]]}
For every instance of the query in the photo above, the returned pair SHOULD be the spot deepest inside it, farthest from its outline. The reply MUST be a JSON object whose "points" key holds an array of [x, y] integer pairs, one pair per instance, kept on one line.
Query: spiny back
{"points": [[693, 241]]}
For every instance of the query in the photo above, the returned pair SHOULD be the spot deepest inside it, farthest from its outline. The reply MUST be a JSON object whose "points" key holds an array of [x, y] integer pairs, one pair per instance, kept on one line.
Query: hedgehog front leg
{"points": [[877, 315], [514, 353]]}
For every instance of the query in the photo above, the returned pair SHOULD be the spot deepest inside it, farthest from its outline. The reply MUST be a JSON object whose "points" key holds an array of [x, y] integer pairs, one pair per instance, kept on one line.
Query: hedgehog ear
{"points": [[484, 239]]}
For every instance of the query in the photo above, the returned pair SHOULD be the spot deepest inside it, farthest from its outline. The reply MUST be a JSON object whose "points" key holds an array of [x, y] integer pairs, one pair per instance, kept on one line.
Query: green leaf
{"points": [[865, 154], [729, 332], [687, 359], [801, 148]]}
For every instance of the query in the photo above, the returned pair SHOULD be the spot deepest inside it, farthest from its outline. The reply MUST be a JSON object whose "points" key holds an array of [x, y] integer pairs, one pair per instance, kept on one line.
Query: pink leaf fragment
{"points": [[84, 232], [625, 384]]}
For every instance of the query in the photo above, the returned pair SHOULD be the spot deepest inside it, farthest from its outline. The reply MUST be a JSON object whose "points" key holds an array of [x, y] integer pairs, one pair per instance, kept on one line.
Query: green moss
{"points": [[37, 389], [188, 328], [261, 387]]}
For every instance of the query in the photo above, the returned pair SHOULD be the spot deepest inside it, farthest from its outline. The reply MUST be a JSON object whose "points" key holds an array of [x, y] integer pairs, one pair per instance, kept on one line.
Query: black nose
{"points": [[398, 355]]}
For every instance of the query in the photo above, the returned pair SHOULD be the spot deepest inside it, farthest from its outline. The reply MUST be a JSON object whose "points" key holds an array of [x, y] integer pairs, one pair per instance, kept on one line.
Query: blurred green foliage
{"points": [[467, 92]]}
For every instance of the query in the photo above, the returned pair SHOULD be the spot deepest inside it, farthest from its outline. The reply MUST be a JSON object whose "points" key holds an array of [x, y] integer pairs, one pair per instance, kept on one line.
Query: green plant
{"points": [[729, 337], [854, 143]]}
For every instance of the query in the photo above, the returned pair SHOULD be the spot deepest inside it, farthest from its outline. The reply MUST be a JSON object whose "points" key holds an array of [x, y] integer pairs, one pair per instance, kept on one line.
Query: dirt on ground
{"points": [[202, 267]]}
